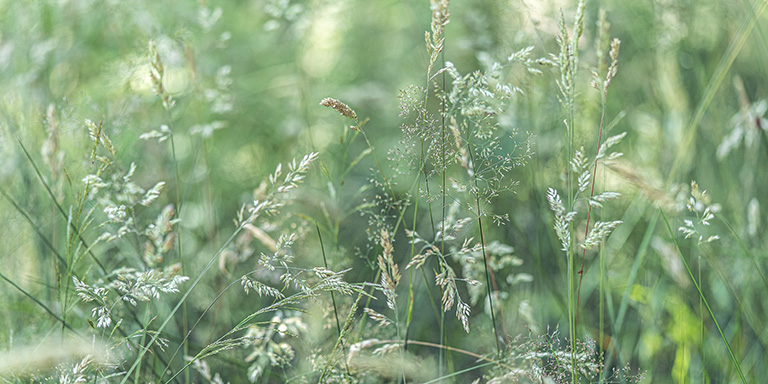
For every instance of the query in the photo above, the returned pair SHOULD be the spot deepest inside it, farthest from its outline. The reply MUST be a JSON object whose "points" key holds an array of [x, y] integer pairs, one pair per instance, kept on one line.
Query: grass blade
{"points": [[704, 299]]}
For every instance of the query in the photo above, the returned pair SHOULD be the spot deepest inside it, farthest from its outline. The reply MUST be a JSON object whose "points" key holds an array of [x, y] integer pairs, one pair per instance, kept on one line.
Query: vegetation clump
{"points": [[483, 210]]}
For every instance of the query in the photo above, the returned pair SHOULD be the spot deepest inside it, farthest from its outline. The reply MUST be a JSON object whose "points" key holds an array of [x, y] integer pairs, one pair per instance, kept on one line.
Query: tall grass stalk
{"points": [[488, 272], [568, 63], [696, 283], [601, 82], [157, 77]]}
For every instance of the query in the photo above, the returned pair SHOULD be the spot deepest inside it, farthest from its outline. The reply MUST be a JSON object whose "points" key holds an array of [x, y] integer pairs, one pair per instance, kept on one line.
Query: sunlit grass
{"points": [[157, 229]]}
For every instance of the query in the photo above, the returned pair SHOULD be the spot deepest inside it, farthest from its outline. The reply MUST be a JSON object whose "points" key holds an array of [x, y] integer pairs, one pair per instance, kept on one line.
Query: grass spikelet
{"points": [[156, 74], [390, 272], [340, 107]]}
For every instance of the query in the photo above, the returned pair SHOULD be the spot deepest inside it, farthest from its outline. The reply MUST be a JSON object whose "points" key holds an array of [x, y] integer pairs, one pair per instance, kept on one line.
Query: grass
{"points": [[158, 231]]}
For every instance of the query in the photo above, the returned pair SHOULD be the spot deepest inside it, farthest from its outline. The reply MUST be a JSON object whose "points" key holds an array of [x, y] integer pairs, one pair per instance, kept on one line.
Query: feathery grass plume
{"points": [[261, 289], [470, 107], [120, 196], [447, 282], [700, 204], [340, 107], [567, 61], [280, 260], [581, 166], [163, 134], [598, 233], [98, 294], [160, 236], [501, 259], [202, 368], [282, 255], [465, 132], [390, 273], [547, 359], [419, 147], [473, 103], [145, 286], [378, 317], [419, 259], [446, 278], [746, 125], [602, 41], [562, 219], [270, 345], [278, 187], [270, 199], [99, 137], [614, 67], [606, 69], [156, 73], [77, 372], [568, 58], [280, 353], [436, 39]]}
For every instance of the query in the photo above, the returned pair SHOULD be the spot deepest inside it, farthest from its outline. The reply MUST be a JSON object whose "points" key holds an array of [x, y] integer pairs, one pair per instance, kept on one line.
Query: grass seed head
{"points": [[340, 107]]}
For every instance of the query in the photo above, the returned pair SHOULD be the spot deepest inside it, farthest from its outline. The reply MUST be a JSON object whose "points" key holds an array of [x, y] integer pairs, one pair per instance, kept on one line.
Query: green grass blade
{"points": [[34, 226], [746, 250], [61, 210], [38, 302], [704, 299]]}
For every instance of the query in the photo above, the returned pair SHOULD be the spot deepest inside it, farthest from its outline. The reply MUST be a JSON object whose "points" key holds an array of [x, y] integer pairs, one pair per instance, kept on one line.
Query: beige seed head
{"points": [[340, 107]]}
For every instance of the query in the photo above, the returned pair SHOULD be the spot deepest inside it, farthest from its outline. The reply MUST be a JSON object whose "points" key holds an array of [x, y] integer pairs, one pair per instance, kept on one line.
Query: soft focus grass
{"points": [[676, 94]]}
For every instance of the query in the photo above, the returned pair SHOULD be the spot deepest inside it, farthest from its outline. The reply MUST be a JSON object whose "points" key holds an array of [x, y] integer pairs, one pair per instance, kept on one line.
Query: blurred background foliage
{"points": [[247, 78]]}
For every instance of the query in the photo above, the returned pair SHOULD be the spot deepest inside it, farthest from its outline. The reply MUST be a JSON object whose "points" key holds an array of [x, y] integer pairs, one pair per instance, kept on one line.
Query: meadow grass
{"points": [[189, 200]]}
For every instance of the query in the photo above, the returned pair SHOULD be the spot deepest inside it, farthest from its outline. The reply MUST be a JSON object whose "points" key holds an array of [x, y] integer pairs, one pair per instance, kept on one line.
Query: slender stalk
{"points": [[179, 202], [443, 185], [488, 271], [591, 194], [409, 310], [746, 250], [339, 341], [704, 299], [39, 303], [488, 286], [453, 349], [569, 60], [333, 296]]}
